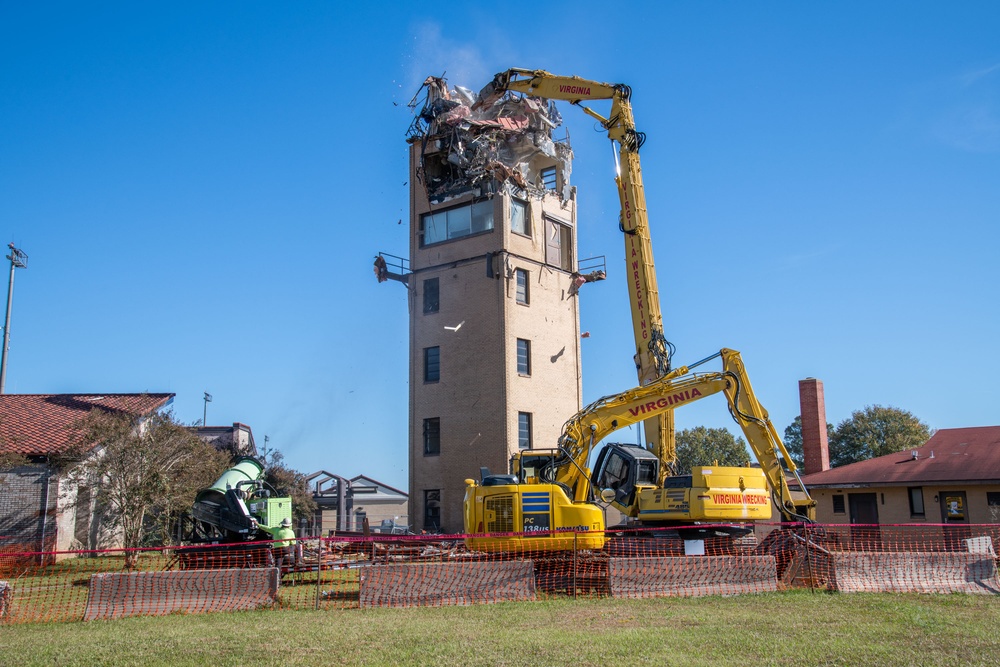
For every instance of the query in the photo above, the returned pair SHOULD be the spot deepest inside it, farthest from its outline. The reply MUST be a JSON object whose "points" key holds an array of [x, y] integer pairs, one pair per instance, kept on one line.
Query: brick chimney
{"points": [[815, 441]]}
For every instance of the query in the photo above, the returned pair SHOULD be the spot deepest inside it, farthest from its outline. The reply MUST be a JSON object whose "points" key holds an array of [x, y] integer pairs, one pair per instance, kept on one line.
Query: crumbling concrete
{"points": [[480, 143], [691, 576], [119, 595], [423, 584]]}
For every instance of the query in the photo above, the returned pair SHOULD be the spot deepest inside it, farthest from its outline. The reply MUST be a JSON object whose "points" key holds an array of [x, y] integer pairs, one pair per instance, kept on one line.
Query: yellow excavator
{"points": [[552, 490], [552, 502]]}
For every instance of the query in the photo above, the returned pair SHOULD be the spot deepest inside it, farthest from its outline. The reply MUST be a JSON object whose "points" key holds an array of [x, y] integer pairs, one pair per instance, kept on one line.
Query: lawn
{"points": [[797, 628]]}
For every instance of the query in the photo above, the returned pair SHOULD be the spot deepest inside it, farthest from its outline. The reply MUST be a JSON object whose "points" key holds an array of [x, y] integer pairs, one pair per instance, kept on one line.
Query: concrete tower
{"points": [[493, 278]]}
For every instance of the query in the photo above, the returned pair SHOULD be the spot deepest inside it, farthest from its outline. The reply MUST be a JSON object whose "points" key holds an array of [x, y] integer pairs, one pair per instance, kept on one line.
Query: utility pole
{"points": [[18, 260], [204, 416]]}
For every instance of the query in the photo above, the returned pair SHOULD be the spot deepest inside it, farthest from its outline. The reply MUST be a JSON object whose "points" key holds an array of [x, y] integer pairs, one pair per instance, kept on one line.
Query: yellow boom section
{"points": [[652, 351], [676, 389]]}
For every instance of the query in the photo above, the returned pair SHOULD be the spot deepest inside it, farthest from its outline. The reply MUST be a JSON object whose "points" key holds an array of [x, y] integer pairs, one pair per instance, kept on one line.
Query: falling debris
{"points": [[482, 143], [579, 279], [381, 271]]}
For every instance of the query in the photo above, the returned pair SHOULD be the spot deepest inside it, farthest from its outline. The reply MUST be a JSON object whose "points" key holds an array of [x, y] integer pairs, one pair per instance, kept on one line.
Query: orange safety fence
{"points": [[355, 571]]}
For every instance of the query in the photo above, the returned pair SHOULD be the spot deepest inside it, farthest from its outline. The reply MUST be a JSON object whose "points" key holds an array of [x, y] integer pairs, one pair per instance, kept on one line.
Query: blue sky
{"points": [[201, 188]]}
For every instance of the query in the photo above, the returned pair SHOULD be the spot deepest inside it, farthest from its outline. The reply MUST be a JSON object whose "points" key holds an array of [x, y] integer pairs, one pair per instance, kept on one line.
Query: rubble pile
{"points": [[485, 143]]}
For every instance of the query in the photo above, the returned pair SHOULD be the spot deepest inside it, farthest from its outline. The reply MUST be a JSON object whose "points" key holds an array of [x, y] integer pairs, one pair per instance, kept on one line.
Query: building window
{"points": [[523, 357], [548, 178], [432, 436], [432, 510], [456, 223], [431, 299], [524, 430], [916, 501], [838, 504], [522, 285], [432, 364], [993, 505], [519, 220], [559, 245]]}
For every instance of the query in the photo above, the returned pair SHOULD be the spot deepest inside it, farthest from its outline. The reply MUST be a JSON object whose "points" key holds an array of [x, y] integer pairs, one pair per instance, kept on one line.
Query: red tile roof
{"points": [[40, 424], [951, 455]]}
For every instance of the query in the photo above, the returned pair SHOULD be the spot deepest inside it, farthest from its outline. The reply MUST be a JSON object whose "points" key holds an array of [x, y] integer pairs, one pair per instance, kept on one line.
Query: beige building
{"points": [[950, 483], [492, 280], [344, 505]]}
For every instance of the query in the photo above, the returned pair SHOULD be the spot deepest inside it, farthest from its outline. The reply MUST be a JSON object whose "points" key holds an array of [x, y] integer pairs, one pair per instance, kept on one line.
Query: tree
{"points": [[793, 440], [288, 482], [702, 446], [876, 431], [9, 461], [144, 471]]}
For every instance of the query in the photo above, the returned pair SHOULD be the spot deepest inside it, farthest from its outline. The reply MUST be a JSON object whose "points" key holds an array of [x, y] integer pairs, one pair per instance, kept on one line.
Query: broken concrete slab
{"points": [[691, 576], [117, 595], [438, 584], [931, 572]]}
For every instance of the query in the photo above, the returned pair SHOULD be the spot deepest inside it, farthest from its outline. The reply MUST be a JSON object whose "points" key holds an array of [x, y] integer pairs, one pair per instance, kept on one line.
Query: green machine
{"points": [[231, 509]]}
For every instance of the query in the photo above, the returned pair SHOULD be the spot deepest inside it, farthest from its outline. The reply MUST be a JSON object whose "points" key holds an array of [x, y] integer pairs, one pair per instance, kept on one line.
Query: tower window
{"points": [[559, 245], [519, 221], [523, 357], [432, 300], [432, 364], [524, 430], [521, 276], [432, 436], [432, 510], [456, 222], [548, 175]]}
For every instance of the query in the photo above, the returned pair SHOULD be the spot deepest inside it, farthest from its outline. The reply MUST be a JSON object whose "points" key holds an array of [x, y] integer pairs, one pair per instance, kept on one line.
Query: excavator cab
{"points": [[624, 469]]}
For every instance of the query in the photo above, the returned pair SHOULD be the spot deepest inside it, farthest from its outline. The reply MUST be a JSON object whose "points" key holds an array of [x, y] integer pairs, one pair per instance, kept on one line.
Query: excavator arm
{"points": [[610, 413], [652, 351], [676, 389], [765, 442]]}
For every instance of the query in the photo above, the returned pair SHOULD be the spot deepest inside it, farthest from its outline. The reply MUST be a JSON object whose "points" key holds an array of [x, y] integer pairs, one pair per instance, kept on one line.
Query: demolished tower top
{"points": [[478, 143]]}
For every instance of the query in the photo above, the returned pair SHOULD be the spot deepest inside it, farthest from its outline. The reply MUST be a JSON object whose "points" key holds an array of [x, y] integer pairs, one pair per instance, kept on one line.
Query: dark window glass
{"points": [[431, 299], [523, 357], [916, 501], [456, 222], [432, 436], [838, 504], [432, 364], [432, 510], [522, 285], [524, 430]]}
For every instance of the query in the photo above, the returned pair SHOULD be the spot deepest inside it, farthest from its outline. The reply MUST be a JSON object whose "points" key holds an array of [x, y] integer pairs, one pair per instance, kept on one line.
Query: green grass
{"points": [[795, 628]]}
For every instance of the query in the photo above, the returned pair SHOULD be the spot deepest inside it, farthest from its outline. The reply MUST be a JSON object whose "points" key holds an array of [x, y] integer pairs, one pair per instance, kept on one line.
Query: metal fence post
{"points": [[574, 563], [319, 571]]}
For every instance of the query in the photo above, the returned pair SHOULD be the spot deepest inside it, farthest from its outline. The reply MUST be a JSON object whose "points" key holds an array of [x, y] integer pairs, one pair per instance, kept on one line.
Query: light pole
{"points": [[18, 260], [204, 416]]}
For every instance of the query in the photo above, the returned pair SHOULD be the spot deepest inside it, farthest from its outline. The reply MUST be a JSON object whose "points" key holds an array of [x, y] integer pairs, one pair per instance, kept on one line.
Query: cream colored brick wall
{"points": [[894, 503], [480, 392]]}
